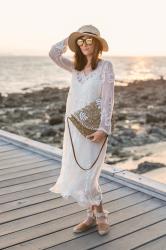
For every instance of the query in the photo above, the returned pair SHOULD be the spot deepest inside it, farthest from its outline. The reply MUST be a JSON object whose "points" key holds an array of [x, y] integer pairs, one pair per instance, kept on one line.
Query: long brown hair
{"points": [[80, 60]]}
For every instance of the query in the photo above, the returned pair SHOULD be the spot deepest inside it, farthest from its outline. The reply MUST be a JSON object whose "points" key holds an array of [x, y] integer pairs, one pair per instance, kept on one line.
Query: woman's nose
{"points": [[84, 44]]}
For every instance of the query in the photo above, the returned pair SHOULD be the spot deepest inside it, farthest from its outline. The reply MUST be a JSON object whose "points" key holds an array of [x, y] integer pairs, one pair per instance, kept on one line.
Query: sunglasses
{"points": [[88, 41]]}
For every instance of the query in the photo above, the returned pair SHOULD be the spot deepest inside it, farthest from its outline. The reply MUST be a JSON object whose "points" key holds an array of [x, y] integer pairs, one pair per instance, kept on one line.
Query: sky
{"points": [[131, 27]]}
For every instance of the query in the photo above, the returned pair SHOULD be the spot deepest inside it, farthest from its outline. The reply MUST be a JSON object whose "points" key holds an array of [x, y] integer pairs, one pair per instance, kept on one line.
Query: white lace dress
{"points": [[83, 185]]}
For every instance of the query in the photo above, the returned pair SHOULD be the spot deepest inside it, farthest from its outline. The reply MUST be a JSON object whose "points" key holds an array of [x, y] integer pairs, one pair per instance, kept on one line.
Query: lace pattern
{"points": [[56, 52], [107, 97], [82, 77], [106, 74]]}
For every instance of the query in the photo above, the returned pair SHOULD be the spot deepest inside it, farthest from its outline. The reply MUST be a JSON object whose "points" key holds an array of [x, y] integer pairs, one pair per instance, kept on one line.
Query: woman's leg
{"points": [[98, 208], [103, 224], [92, 207], [88, 222]]}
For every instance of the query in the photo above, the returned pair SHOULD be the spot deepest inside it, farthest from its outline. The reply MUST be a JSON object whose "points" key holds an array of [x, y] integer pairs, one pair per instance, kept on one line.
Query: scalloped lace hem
{"points": [[79, 196]]}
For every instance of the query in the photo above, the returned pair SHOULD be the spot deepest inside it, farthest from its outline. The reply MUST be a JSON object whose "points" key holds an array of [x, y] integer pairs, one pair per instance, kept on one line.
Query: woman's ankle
{"points": [[99, 208], [92, 207]]}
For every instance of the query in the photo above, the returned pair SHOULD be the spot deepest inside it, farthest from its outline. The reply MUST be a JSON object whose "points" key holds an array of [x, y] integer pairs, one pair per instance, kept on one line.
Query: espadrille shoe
{"points": [[89, 222], [102, 221]]}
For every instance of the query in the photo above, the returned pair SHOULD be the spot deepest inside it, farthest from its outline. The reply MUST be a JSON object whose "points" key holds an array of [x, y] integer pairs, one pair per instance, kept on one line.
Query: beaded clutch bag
{"points": [[87, 121]]}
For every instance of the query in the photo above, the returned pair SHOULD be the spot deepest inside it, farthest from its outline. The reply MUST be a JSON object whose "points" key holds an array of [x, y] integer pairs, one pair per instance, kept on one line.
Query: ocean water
{"points": [[28, 73]]}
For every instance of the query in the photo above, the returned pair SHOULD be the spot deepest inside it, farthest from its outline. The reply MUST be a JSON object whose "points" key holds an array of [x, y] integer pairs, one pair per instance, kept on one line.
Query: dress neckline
{"points": [[89, 73], [82, 77]]}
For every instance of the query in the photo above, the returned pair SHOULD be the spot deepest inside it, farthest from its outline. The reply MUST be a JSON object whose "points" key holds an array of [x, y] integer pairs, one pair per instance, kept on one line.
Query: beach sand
{"points": [[151, 153]]}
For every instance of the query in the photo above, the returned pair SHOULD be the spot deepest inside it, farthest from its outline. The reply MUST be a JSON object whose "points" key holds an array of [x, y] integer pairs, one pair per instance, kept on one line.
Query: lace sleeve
{"points": [[107, 98], [56, 52]]}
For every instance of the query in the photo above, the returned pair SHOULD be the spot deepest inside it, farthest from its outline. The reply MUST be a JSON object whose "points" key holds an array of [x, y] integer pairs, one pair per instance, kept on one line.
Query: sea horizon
{"points": [[22, 72]]}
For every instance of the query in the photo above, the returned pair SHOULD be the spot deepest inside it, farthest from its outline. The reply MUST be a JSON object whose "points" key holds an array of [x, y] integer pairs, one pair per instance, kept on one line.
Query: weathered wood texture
{"points": [[34, 218]]}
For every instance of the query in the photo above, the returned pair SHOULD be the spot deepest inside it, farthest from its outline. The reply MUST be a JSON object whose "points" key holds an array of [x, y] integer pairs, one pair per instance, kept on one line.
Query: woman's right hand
{"points": [[97, 136]]}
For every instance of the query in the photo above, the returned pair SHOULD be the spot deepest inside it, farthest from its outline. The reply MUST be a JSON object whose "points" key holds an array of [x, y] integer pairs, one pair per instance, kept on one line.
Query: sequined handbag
{"points": [[87, 121]]}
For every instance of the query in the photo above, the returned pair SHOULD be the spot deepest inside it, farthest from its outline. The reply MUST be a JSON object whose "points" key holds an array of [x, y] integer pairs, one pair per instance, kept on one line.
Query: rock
{"points": [[147, 166], [1, 98], [156, 130], [153, 139], [116, 151], [141, 102], [150, 118], [121, 116], [13, 100], [62, 108], [114, 141], [55, 120], [128, 132], [47, 131], [115, 161]]}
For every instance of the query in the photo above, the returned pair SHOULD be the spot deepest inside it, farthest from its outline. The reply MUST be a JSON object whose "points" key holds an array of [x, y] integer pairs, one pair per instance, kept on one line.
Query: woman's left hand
{"points": [[97, 136]]}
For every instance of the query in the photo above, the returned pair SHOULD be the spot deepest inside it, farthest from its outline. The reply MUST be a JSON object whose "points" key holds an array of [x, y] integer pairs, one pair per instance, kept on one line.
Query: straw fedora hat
{"points": [[86, 30]]}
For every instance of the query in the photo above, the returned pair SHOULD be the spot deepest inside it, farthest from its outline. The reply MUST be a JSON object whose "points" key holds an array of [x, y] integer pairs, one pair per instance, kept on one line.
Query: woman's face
{"points": [[87, 49]]}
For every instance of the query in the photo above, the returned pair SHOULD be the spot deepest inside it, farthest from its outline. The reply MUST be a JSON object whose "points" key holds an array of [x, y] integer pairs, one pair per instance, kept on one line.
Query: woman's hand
{"points": [[97, 136]]}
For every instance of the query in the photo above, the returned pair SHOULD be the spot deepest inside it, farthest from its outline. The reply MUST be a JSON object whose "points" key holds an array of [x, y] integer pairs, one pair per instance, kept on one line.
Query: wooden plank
{"points": [[8, 156], [135, 239], [66, 239], [7, 148], [25, 186], [21, 154], [31, 163], [38, 173], [43, 197], [34, 191], [143, 182], [37, 219], [119, 230], [25, 168], [156, 244], [32, 145], [131, 179], [137, 182], [50, 204], [15, 157], [27, 192], [2, 143], [9, 152]]}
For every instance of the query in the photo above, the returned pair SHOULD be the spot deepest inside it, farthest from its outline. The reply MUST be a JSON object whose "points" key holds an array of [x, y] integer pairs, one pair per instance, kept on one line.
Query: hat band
{"points": [[90, 33]]}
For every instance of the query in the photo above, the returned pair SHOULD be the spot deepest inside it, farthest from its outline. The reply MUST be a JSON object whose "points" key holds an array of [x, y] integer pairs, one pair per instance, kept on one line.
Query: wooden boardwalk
{"points": [[34, 218]]}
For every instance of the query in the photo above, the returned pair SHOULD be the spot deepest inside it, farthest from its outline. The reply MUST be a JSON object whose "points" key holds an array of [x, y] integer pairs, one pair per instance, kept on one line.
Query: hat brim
{"points": [[73, 36]]}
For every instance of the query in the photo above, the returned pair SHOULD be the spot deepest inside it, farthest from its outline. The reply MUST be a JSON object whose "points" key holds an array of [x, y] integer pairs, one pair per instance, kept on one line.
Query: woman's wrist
{"points": [[103, 132]]}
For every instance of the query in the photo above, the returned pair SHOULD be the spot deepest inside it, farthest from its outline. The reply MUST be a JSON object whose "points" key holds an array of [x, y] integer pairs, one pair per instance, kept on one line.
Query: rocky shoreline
{"points": [[139, 111]]}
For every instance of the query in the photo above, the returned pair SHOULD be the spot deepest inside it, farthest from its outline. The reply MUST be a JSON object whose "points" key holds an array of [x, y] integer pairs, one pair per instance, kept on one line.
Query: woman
{"points": [[92, 77]]}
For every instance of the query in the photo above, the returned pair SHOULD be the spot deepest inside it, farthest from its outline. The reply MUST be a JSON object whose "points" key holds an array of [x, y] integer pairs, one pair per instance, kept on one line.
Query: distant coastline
{"points": [[22, 73]]}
